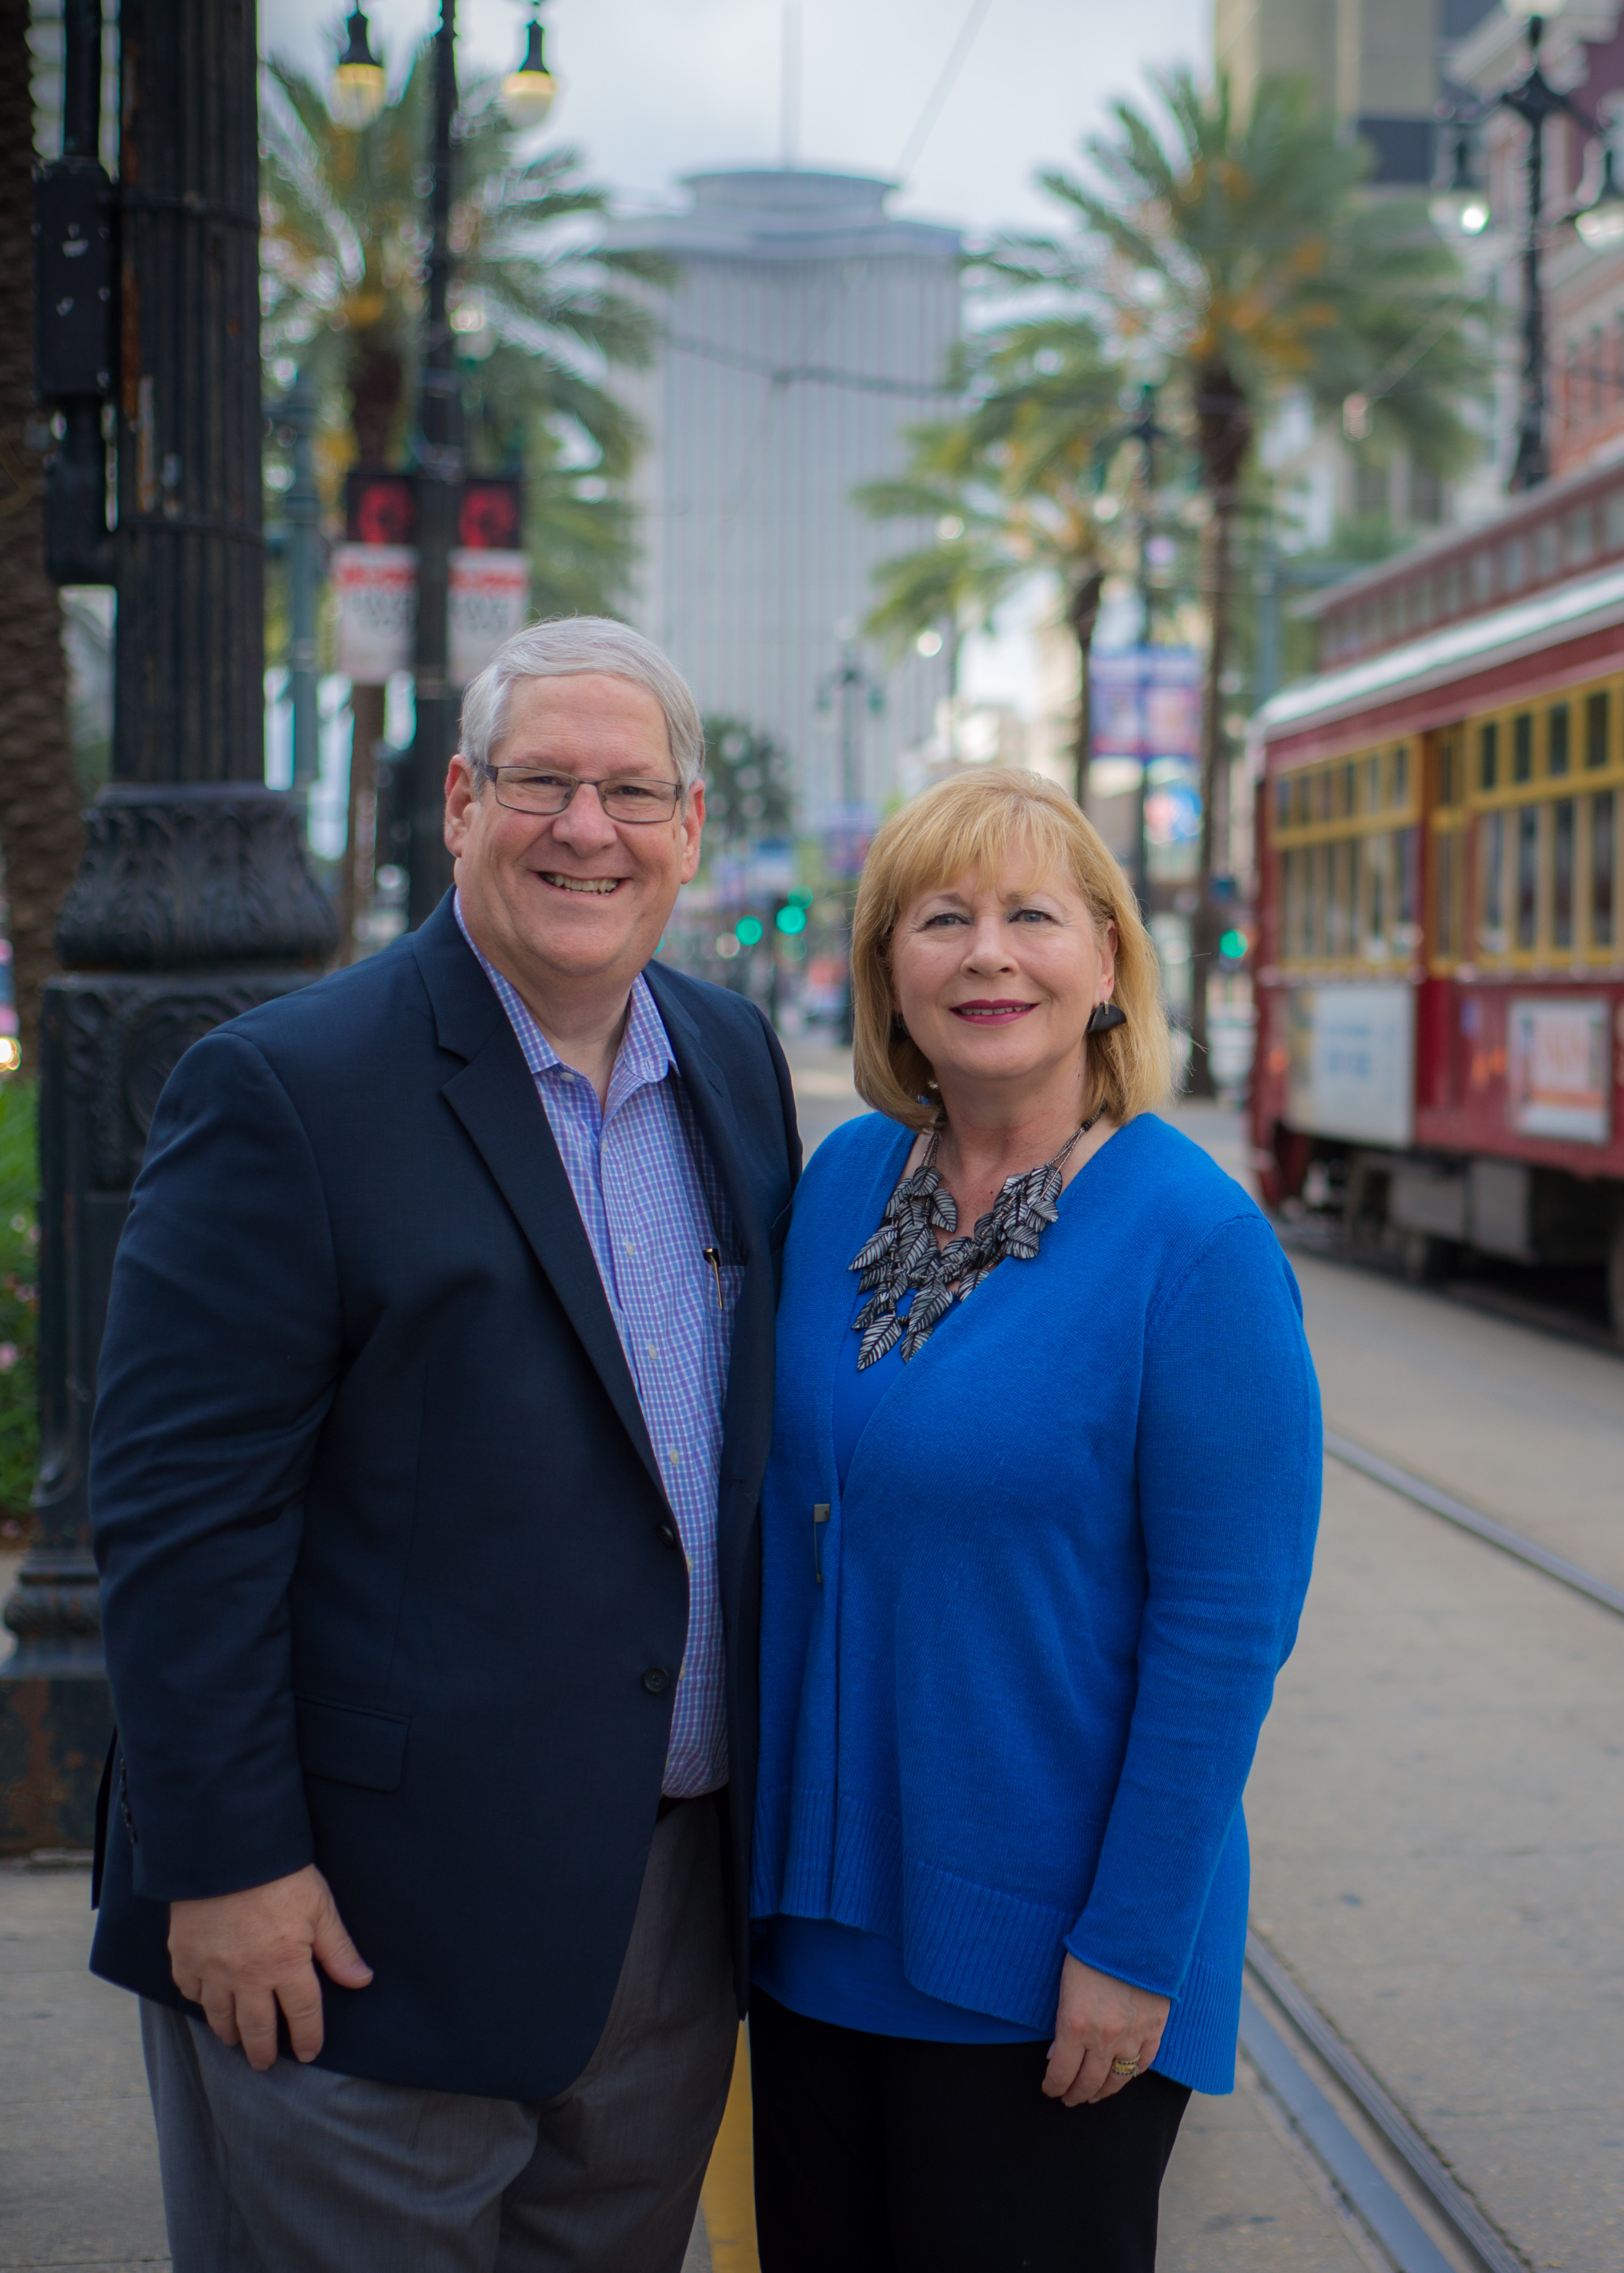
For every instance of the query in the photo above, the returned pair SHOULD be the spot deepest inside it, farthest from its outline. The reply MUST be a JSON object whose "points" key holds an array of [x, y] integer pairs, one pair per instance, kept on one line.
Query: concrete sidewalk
{"points": [[78, 2171]]}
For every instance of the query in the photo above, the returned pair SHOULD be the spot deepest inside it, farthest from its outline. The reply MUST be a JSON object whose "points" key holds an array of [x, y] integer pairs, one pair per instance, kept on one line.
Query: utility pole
{"points": [[194, 902], [440, 478]]}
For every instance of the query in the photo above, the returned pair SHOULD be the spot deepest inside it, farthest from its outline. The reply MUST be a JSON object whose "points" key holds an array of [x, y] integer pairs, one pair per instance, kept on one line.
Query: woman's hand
{"points": [[1100, 2020]]}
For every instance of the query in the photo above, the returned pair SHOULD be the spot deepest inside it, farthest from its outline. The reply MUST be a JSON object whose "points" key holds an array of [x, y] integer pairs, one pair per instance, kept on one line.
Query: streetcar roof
{"points": [[1521, 627]]}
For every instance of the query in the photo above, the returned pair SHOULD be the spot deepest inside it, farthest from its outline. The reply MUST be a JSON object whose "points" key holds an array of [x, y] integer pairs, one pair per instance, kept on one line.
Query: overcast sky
{"points": [[656, 88], [653, 89]]}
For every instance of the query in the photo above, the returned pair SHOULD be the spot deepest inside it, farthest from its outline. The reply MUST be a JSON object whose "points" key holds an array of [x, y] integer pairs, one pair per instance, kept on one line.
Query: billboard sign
{"points": [[1559, 1068]]}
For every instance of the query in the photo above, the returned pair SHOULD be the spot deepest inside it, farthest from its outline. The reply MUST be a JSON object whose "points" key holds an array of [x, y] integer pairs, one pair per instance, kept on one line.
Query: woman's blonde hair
{"points": [[974, 824]]}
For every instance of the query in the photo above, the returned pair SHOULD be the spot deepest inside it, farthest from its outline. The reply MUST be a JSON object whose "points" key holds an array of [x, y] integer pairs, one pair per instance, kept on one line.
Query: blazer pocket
{"points": [[348, 1745]]}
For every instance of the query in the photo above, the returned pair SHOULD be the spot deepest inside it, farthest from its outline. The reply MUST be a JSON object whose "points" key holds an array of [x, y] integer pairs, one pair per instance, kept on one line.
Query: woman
{"points": [[1037, 1528]]}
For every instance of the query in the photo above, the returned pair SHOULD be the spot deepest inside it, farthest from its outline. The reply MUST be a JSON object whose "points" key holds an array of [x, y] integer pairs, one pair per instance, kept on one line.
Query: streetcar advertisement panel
{"points": [[1559, 1068], [1352, 1072]]}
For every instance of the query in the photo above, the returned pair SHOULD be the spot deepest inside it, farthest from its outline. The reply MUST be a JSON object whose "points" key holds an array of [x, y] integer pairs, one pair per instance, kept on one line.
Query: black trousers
{"points": [[886, 2155]]}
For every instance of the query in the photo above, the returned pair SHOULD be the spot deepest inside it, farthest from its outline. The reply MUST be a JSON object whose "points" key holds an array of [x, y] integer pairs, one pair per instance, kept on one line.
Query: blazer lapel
{"points": [[495, 1098]]}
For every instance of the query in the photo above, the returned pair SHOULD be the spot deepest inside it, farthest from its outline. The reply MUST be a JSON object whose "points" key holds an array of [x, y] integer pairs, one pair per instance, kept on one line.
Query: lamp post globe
{"points": [[1461, 206], [527, 93], [1601, 222], [358, 86]]}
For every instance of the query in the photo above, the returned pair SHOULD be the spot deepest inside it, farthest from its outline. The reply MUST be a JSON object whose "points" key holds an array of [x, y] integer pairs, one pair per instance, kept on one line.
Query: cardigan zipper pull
{"points": [[820, 1515]]}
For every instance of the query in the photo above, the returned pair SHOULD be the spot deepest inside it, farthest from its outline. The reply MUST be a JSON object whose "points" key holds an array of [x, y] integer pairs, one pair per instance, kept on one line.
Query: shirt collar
{"points": [[644, 1054]]}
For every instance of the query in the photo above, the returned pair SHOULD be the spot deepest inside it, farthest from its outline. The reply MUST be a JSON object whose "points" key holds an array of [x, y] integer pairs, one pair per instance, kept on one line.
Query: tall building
{"points": [[807, 329], [1373, 63]]}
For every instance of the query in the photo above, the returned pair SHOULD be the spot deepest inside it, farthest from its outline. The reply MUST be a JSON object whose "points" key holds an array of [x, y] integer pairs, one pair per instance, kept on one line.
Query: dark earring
{"points": [[1104, 1018], [896, 1024]]}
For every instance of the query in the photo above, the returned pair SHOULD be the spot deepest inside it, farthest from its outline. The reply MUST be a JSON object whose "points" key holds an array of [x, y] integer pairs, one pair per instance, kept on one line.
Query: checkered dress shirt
{"points": [[651, 1203]]}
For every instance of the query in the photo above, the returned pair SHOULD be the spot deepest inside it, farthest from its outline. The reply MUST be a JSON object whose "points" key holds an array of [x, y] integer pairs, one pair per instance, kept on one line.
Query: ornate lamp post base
{"points": [[194, 905]]}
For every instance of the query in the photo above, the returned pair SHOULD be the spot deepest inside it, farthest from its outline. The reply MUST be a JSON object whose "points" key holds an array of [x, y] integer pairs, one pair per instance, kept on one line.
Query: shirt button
{"points": [[667, 1536], [656, 1681]]}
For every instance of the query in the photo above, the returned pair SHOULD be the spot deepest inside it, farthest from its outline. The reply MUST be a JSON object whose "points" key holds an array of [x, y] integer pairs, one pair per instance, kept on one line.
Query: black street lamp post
{"points": [[194, 902], [440, 464], [1535, 102]]}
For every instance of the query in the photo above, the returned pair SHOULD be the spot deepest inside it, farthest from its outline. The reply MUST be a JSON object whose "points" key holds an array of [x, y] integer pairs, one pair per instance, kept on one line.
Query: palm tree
{"points": [[1238, 255], [540, 312], [1010, 488], [540, 308]]}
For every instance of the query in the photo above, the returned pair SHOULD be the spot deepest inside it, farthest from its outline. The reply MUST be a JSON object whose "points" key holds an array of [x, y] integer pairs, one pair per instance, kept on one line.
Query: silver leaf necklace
{"points": [[903, 1253]]}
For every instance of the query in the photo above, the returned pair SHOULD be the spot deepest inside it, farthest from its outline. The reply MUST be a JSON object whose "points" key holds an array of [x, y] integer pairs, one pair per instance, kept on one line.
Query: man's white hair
{"points": [[566, 648]]}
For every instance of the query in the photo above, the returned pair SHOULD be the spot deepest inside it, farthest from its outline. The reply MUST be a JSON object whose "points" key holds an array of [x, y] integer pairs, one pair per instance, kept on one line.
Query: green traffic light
{"points": [[792, 920], [747, 931], [1233, 947]]}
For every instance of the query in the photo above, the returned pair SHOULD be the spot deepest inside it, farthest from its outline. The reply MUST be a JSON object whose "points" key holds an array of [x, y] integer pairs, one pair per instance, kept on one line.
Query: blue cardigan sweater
{"points": [[1017, 1715]]}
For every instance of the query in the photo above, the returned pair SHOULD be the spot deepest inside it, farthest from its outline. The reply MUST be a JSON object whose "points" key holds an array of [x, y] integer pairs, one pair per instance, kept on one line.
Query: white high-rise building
{"points": [[807, 331]]}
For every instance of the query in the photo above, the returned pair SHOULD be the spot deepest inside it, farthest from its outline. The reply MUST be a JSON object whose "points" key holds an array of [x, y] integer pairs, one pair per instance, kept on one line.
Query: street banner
{"points": [[1146, 702], [847, 831], [490, 601], [377, 590], [376, 587]]}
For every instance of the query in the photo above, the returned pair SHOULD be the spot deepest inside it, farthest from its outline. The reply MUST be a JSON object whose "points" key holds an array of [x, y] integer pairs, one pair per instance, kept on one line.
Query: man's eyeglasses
{"points": [[522, 790]]}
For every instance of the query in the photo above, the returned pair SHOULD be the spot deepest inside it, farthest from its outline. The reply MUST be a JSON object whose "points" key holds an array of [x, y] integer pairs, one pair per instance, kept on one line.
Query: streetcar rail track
{"points": [[1467, 1518], [1375, 2200]]}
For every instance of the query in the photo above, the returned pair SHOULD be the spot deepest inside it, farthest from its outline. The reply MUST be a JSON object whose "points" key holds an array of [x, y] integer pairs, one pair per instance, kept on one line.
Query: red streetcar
{"points": [[1440, 984]]}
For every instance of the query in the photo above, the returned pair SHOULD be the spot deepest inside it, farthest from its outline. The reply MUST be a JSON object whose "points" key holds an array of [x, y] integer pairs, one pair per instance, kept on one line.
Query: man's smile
{"points": [[600, 885]]}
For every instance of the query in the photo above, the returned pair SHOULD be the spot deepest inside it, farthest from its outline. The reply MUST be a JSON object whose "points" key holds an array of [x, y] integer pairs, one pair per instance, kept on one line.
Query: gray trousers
{"points": [[303, 2170]]}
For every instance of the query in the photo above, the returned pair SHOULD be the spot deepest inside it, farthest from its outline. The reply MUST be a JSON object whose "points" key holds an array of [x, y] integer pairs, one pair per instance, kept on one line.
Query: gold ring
{"points": [[1124, 2068]]}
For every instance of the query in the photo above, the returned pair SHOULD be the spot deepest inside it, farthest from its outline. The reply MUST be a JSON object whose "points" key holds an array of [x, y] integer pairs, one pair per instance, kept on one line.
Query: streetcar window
{"points": [[1595, 731], [1562, 873], [1522, 746], [1342, 941], [1490, 894], [1408, 874], [1603, 871], [1348, 792], [1401, 774], [1615, 521], [1373, 785], [1451, 788], [1556, 739], [1375, 865], [1322, 796], [1488, 753], [1443, 913], [1283, 804], [1527, 876]]}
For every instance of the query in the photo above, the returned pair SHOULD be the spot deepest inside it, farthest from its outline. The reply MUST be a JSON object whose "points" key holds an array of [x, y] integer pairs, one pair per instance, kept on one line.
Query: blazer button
{"points": [[656, 1681], [667, 1537]]}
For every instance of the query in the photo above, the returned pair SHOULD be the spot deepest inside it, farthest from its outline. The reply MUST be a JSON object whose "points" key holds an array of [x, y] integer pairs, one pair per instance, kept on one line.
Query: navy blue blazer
{"points": [[388, 1574]]}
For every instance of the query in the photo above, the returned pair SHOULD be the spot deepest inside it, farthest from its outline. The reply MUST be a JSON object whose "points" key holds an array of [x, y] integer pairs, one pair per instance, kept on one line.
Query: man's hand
{"points": [[1100, 2020], [242, 1955]]}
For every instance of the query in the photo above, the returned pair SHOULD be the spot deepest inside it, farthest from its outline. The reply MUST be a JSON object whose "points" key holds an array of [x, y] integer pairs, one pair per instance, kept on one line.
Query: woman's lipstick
{"points": [[991, 1014]]}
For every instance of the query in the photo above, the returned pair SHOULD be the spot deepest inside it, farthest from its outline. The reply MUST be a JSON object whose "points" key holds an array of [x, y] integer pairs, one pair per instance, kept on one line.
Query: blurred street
{"points": [[1436, 1816]]}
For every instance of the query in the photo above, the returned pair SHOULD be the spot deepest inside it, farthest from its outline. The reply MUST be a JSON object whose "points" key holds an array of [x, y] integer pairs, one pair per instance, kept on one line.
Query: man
{"points": [[434, 1403]]}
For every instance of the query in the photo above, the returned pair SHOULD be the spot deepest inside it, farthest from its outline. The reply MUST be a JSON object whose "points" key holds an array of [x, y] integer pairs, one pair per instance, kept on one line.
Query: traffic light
{"points": [[791, 918], [1233, 946], [747, 930]]}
